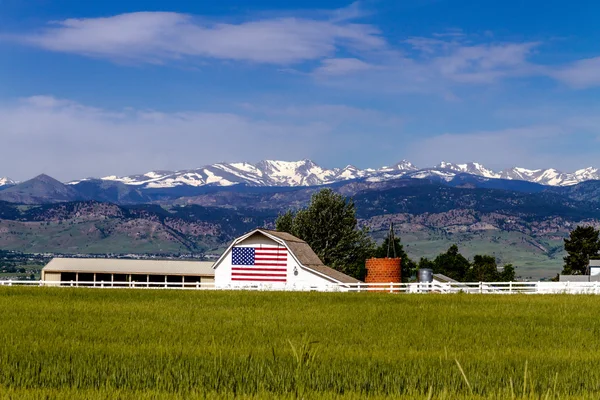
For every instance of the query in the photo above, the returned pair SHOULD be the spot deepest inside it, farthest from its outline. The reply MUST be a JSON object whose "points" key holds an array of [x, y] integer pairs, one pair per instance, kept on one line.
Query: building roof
{"points": [[307, 257], [594, 263], [126, 266], [573, 278], [444, 279]]}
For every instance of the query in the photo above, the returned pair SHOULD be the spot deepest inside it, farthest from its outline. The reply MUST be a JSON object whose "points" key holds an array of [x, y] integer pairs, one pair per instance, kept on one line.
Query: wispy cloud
{"points": [[580, 74], [532, 146], [431, 65], [342, 66], [73, 140], [338, 42], [157, 37]]}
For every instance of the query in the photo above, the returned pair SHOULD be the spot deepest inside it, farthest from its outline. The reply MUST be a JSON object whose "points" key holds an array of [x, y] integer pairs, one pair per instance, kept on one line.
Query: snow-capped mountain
{"points": [[307, 173], [472, 168], [551, 176], [263, 173], [7, 182]]}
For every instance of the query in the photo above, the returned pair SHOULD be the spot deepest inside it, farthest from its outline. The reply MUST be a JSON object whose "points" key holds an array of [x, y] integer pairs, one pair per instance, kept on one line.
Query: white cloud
{"points": [[342, 66], [342, 46], [535, 146], [485, 63], [580, 74], [69, 140], [157, 37]]}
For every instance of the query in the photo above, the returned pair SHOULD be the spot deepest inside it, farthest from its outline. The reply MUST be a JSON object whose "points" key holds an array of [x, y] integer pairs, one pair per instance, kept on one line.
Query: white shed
{"points": [[275, 260]]}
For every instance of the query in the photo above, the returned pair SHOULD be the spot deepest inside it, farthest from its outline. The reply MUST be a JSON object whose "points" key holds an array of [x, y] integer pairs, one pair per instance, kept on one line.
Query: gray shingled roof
{"points": [[308, 258]]}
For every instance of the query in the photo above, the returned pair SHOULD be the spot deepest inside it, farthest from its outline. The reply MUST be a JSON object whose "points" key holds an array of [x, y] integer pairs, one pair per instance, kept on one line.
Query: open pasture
{"points": [[104, 344]]}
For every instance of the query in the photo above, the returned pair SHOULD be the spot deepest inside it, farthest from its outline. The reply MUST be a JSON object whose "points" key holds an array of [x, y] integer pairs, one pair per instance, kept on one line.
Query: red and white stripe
{"points": [[270, 265]]}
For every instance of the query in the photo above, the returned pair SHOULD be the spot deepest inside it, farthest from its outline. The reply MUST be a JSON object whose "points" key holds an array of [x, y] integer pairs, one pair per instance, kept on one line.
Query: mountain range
{"points": [[523, 225], [520, 219], [308, 173]]}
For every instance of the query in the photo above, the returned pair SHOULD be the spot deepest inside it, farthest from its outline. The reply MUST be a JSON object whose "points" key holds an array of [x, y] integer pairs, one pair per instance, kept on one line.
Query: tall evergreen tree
{"points": [[330, 228], [583, 242]]}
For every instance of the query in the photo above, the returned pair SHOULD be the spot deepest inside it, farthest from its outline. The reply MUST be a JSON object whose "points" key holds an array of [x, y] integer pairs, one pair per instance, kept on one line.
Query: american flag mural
{"points": [[259, 264]]}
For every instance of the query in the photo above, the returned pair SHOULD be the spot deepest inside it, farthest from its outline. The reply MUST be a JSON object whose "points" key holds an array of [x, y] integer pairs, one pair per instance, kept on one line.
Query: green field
{"points": [[105, 344]]}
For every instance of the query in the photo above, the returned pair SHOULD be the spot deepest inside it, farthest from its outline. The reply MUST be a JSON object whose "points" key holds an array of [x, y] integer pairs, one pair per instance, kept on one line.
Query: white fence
{"points": [[435, 287]]}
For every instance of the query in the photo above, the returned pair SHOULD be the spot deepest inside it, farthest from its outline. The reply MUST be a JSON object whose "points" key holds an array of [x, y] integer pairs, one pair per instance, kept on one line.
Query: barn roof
{"points": [[127, 266], [307, 257]]}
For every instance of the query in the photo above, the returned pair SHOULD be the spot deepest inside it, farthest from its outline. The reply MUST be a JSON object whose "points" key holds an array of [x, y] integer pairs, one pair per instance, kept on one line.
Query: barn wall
{"points": [[53, 277], [296, 276]]}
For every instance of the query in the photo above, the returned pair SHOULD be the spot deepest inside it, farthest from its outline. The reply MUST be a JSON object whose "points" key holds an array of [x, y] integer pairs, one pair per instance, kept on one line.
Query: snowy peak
{"points": [[7, 182], [308, 173], [551, 176], [295, 173], [468, 168], [405, 165]]}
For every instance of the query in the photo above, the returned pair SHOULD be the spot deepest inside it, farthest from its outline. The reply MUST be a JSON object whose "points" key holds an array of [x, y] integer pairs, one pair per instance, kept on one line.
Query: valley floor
{"points": [[101, 344]]}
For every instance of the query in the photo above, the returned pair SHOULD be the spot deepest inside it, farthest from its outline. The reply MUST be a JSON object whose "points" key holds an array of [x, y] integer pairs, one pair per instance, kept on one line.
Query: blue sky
{"points": [[94, 88]]}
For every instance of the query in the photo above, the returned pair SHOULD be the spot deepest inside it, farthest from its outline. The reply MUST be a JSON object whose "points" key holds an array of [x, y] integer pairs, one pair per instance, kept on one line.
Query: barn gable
{"points": [[274, 258]]}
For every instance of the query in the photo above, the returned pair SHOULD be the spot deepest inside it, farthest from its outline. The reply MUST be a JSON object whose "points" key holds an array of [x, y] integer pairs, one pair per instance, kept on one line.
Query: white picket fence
{"points": [[435, 287]]}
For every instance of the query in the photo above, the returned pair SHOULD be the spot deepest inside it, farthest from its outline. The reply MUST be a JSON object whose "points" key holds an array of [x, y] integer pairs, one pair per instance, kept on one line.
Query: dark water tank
{"points": [[425, 275]]}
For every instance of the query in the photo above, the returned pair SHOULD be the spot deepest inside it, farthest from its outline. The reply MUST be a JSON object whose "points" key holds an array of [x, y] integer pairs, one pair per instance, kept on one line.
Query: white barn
{"points": [[275, 260]]}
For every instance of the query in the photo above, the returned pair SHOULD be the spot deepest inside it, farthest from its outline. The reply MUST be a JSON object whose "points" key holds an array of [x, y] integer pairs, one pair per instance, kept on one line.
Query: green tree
{"points": [[483, 269], [330, 228], [408, 265], [425, 263], [452, 264], [507, 274], [582, 243], [285, 222]]}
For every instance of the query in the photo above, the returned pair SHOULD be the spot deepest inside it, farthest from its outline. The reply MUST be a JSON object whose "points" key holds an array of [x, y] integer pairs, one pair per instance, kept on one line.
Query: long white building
{"points": [[259, 259], [125, 272]]}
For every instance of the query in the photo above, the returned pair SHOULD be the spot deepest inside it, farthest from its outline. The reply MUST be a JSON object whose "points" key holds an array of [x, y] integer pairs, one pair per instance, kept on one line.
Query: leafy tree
{"points": [[452, 264], [408, 265], [582, 243], [330, 228], [484, 269], [507, 274], [425, 263], [285, 222]]}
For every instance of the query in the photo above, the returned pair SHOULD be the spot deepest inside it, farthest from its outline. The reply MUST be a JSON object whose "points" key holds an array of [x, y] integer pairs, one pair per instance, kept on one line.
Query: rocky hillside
{"points": [[522, 227]]}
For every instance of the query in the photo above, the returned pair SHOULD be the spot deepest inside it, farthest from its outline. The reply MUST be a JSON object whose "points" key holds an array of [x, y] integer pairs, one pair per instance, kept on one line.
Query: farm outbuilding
{"points": [[266, 258], [122, 272]]}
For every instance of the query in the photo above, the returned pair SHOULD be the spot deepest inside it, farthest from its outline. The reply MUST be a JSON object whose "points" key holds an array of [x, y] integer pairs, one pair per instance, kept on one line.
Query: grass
{"points": [[103, 344]]}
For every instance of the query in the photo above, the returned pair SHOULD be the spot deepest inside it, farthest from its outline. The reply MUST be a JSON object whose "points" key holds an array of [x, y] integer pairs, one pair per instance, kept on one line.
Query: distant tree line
{"points": [[483, 268], [330, 227]]}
